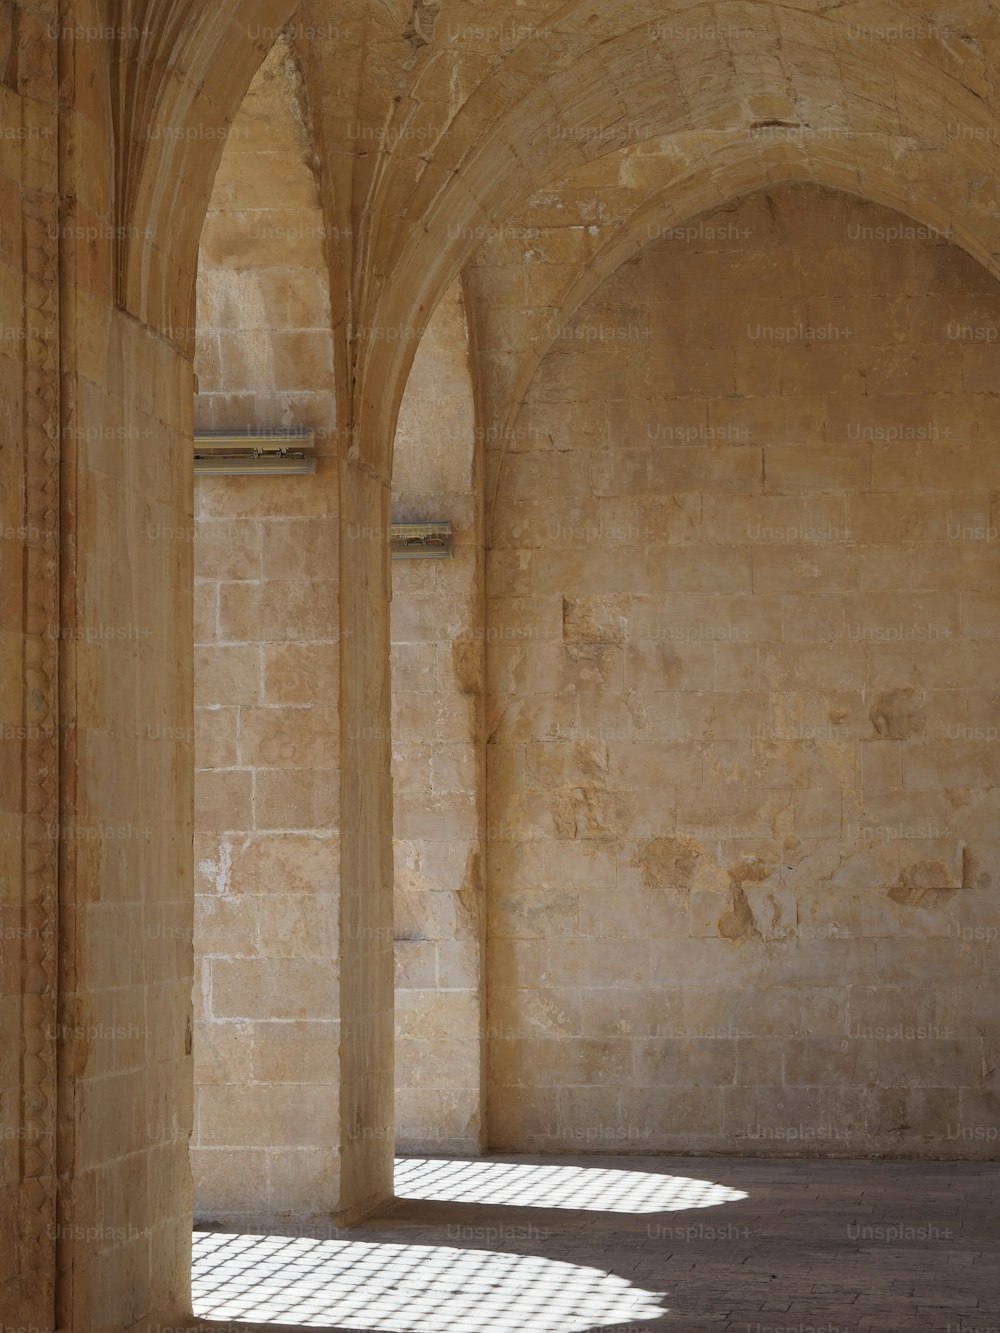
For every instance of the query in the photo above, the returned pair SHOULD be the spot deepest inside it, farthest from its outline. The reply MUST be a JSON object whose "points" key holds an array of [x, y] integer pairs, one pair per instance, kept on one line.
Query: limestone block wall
{"points": [[267, 844], [743, 767], [438, 755]]}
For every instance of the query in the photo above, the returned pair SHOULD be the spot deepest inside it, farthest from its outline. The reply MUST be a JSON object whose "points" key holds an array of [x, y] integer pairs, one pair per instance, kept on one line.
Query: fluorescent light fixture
{"points": [[421, 541], [219, 453]]}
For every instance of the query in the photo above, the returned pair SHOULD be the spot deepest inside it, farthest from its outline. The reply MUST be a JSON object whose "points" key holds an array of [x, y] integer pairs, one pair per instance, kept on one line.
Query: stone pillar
{"points": [[366, 957], [125, 638], [125, 829]]}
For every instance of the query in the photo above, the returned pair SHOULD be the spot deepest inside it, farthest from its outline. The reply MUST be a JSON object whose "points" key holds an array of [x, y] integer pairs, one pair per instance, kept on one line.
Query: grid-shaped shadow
{"points": [[523, 1185], [405, 1288], [782, 1250]]}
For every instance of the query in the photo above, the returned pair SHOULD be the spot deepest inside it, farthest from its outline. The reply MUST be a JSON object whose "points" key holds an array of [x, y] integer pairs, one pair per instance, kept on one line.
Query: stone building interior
{"points": [[499, 713]]}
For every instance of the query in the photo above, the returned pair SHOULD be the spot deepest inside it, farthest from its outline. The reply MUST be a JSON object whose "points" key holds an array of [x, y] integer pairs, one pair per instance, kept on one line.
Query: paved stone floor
{"points": [[627, 1244]]}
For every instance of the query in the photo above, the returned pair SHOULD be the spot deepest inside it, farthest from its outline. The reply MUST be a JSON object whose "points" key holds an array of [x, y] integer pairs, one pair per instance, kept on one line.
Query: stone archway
{"points": [[531, 120], [438, 751], [266, 1139], [450, 134]]}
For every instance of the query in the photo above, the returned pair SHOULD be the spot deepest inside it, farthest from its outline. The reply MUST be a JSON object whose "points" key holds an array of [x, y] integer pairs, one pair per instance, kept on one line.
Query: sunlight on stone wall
{"points": [[437, 753], [266, 680]]}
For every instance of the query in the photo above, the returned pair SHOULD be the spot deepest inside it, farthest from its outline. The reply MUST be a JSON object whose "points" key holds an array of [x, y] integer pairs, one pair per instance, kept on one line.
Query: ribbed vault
{"points": [[436, 122], [178, 77], [588, 83]]}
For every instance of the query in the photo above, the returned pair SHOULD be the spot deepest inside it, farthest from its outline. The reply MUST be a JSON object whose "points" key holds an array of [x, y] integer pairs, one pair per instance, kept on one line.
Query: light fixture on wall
{"points": [[421, 541], [221, 453]]}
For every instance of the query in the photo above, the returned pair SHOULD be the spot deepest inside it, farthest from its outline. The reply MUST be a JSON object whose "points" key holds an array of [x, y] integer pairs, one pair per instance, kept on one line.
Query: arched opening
{"points": [[438, 755], [266, 1140]]}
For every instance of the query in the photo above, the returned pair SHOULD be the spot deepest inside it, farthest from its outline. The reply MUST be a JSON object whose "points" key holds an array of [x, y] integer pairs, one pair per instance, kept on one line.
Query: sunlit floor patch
{"points": [[592, 1189], [404, 1288]]}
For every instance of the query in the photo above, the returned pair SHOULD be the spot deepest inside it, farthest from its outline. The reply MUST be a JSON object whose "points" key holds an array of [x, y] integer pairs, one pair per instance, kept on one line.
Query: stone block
{"points": [[258, 989], [228, 675], [223, 799]]}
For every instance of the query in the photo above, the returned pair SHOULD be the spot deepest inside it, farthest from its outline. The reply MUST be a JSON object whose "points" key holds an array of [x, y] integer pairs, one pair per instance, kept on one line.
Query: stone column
{"points": [[366, 956], [125, 638]]}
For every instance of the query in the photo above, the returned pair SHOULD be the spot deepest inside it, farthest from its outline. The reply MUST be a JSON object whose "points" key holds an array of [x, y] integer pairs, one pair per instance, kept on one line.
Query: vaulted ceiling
{"points": [[445, 129]]}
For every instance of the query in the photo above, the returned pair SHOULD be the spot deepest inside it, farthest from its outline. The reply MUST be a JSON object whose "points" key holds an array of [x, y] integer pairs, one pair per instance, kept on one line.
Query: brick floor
{"points": [[813, 1245]]}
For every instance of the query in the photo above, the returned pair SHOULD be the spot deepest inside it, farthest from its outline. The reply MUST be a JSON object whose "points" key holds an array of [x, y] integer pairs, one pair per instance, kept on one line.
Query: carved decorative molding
{"points": [[41, 747], [40, 449]]}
